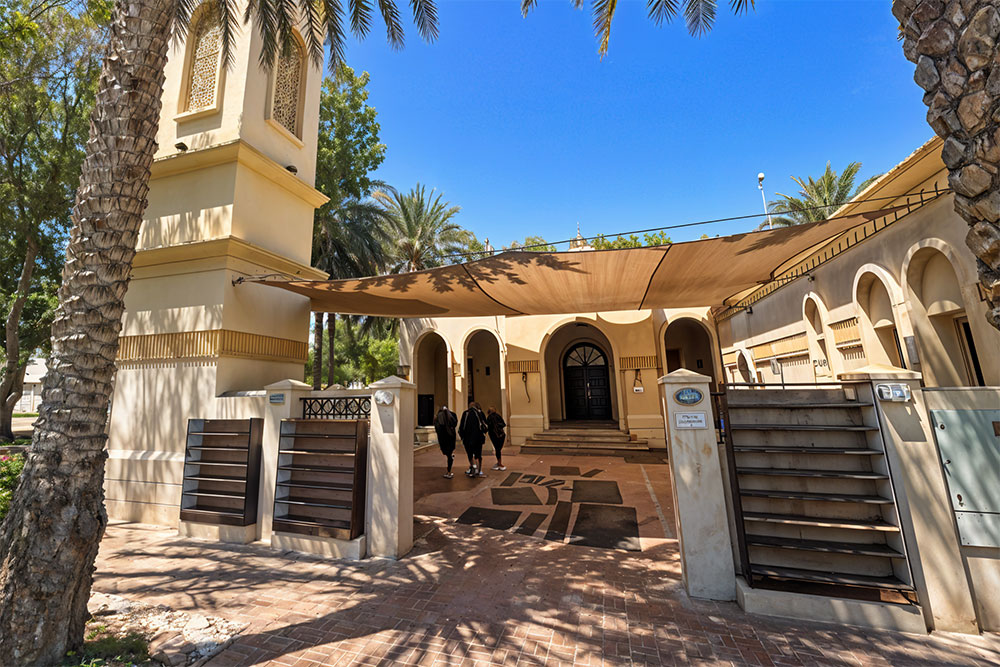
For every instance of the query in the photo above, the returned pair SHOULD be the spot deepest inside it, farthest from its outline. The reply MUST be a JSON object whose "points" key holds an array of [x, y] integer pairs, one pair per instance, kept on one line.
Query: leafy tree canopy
{"points": [[532, 243], [630, 241]]}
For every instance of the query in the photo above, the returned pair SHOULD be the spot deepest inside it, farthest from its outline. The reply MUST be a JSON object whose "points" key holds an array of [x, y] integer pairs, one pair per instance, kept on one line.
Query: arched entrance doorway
{"points": [[686, 344], [565, 397], [587, 383], [483, 372], [430, 368]]}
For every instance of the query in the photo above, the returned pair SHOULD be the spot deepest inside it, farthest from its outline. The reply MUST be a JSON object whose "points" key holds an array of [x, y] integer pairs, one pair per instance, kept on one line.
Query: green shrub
{"points": [[11, 466]]}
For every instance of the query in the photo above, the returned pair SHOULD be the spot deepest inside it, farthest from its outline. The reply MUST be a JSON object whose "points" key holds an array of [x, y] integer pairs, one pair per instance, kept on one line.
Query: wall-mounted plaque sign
{"points": [[691, 420], [276, 399], [688, 396]]}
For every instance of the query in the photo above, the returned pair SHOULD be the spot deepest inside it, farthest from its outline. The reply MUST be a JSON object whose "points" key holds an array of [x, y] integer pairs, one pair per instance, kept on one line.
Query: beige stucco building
{"points": [[902, 292], [211, 359]]}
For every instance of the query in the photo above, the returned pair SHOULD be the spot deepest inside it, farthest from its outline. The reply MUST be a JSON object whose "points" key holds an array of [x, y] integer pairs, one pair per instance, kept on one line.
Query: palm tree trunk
{"points": [[332, 327], [955, 51], [12, 380], [50, 538], [317, 351]]}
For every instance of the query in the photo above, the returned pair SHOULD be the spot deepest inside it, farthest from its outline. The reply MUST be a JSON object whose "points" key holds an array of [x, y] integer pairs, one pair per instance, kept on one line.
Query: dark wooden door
{"points": [[587, 383]]}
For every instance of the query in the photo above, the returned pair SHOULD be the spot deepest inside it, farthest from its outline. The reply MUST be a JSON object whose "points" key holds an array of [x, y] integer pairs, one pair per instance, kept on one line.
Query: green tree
{"points": [[818, 198], [50, 538], [630, 241], [423, 234], [532, 243], [349, 234], [48, 75]]}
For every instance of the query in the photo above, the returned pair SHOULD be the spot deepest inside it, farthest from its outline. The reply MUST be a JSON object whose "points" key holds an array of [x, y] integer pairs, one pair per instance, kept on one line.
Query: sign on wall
{"points": [[688, 396], [691, 420]]}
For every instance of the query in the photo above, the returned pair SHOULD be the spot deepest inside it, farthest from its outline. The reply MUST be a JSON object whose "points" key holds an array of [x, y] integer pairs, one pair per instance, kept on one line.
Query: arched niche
{"points": [[687, 344], [743, 367], [431, 368], [948, 350], [877, 317]]}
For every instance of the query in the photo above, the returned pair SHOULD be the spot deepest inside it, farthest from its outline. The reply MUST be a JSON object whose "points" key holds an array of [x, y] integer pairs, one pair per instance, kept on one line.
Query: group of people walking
{"points": [[473, 429]]}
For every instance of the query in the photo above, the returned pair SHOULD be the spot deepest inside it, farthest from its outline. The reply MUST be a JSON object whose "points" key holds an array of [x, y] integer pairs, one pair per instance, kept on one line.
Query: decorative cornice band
{"points": [[636, 363], [527, 366], [212, 343]]}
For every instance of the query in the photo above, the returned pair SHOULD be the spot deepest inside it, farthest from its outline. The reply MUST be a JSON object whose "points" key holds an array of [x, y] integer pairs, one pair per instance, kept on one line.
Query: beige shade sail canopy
{"points": [[680, 275]]}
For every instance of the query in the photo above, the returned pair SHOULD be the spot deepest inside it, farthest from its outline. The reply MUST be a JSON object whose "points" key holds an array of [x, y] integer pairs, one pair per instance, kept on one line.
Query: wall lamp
{"points": [[181, 146], [292, 168]]}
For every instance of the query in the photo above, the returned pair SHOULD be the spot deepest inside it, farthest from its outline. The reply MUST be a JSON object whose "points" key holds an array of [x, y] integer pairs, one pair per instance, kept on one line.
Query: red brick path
{"points": [[475, 596]]}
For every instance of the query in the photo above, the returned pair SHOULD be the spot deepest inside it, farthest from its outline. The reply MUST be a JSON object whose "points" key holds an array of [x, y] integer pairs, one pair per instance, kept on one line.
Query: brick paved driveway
{"points": [[469, 595]]}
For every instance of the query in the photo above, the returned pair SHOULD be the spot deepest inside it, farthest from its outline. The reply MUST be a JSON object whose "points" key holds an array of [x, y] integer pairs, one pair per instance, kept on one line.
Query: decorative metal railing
{"points": [[337, 407]]}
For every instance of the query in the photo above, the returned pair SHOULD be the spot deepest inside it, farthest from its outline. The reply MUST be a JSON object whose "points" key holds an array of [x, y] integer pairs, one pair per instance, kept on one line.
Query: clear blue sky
{"points": [[519, 122]]}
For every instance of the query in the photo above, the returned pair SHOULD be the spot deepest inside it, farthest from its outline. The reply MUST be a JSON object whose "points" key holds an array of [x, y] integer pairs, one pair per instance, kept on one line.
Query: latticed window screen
{"points": [[206, 41], [287, 83]]}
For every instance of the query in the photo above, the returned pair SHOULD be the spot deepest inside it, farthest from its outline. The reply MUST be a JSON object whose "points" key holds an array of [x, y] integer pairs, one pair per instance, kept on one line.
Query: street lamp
{"points": [[760, 186]]}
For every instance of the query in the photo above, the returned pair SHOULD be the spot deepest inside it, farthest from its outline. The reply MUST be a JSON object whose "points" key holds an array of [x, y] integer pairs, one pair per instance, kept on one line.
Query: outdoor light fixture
{"points": [[760, 186], [181, 146], [292, 168], [749, 310]]}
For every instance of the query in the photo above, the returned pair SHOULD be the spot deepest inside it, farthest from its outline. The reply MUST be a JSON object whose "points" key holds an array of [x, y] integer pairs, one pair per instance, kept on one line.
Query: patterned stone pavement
{"points": [[468, 595]]}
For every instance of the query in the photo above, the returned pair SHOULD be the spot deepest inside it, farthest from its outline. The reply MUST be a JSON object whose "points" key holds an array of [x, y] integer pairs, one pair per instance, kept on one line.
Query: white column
{"points": [[389, 502], [696, 481], [282, 403]]}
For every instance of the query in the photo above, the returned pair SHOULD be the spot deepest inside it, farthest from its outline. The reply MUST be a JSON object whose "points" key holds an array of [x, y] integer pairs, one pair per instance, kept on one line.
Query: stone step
{"points": [[590, 437]]}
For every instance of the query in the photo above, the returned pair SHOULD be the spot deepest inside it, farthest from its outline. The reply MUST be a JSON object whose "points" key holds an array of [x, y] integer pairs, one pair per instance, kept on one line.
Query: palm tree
{"points": [[420, 229], [955, 54], [49, 540], [349, 241], [818, 198]]}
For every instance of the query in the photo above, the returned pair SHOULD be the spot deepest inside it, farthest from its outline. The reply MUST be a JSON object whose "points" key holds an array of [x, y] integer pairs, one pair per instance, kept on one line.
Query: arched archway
{"points": [[948, 348], [483, 371], [816, 335], [688, 344], [430, 374], [558, 395], [586, 383], [880, 333], [743, 368]]}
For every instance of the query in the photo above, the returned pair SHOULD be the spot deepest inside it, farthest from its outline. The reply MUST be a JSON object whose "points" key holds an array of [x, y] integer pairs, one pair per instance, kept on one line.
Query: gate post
{"points": [[389, 496], [696, 483]]}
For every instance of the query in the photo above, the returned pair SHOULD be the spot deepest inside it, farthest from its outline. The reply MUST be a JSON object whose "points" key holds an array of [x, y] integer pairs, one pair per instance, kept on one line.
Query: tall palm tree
{"points": [[818, 198], [349, 241], [955, 54], [49, 540], [422, 233]]}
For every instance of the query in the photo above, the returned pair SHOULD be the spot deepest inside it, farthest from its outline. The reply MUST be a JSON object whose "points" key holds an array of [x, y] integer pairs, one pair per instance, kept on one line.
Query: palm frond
{"points": [[662, 10], [393, 27], [604, 12], [313, 30], [699, 16], [425, 16], [527, 6], [361, 17]]}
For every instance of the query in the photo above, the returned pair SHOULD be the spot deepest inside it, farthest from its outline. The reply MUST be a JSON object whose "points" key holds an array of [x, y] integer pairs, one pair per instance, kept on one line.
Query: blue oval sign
{"points": [[688, 396]]}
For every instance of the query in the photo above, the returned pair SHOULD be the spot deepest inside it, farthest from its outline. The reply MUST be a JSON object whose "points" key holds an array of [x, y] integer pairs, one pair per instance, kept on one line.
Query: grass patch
{"points": [[25, 414], [20, 441], [103, 648]]}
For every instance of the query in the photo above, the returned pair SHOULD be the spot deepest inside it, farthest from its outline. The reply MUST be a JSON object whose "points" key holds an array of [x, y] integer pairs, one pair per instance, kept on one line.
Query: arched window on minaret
{"points": [[204, 51], [286, 91]]}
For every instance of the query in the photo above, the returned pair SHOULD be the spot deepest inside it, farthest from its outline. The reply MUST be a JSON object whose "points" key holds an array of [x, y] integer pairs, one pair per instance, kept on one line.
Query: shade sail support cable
{"points": [[480, 288], [642, 303]]}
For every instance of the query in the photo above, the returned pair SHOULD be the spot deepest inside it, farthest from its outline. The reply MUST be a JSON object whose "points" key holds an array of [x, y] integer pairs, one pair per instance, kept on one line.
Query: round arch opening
{"points": [[687, 344], [879, 321], [483, 372], [430, 368], [580, 382], [948, 349]]}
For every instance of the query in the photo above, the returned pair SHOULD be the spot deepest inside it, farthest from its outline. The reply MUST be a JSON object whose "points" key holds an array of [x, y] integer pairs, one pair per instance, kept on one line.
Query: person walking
{"points": [[495, 426], [444, 425], [472, 429]]}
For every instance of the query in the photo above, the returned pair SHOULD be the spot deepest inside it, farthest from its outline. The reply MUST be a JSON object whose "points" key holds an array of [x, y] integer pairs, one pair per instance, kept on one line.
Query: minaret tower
{"points": [[232, 194]]}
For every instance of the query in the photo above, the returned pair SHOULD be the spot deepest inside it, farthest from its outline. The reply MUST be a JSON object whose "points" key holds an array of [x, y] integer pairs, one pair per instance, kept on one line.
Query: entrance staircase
{"points": [[582, 438], [813, 490]]}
